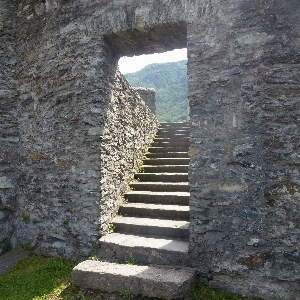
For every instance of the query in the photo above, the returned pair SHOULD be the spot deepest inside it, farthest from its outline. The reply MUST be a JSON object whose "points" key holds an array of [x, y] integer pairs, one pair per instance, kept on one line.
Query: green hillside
{"points": [[170, 83]]}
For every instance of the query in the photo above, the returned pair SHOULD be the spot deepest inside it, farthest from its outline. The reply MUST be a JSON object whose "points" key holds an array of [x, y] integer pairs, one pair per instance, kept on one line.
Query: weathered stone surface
{"points": [[9, 138], [243, 99], [79, 169], [8, 201], [127, 134], [9, 259], [148, 95], [140, 280], [5, 183]]}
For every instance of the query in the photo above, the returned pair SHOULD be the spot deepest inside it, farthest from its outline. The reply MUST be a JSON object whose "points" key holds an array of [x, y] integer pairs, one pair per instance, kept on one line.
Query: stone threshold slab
{"points": [[147, 281]]}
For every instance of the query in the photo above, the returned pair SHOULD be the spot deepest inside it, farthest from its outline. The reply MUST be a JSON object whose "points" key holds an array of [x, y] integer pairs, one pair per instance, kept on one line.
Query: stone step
{"points": [[167, 149], [161, 186], [148, 226], [166, 168], [167, 161], [147, 281], [162, 177], [175, 135], [173, 132], [176, 198], [146, 249], [168, 144], [173, 128], [167, 155], [174, 212], [172, 139], [184, 127], [175, 124]]}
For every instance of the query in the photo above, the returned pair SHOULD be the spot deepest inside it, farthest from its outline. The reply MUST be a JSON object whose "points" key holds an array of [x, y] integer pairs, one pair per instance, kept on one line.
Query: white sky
{"points": [[136, 63]]}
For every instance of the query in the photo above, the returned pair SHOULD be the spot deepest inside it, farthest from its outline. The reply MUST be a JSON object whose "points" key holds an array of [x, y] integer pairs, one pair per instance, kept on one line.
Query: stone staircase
{"points": [[152, 227]]}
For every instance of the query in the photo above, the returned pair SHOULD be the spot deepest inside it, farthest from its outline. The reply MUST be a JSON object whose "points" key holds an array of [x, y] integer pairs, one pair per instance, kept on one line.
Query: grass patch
{"points": [[36, 278], [39, 278]]}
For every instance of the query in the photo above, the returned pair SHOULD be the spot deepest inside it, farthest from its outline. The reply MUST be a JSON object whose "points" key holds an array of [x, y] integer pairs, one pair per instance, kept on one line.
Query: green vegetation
{"points": [[27, 247], [7, 243], [65, 222], [142, 169], [132, 261], [170, 83], [36, 278], [126, 294], [40, 278], [112, 228], [25, 218]]}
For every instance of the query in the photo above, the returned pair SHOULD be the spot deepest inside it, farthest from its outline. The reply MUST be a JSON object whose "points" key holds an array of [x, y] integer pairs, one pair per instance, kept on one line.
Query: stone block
{"points": [[6, 183], [139, 280]]}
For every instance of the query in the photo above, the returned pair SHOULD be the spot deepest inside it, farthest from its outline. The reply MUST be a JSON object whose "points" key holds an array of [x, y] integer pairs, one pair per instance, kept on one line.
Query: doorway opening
{"points": [[157, 203], [166, 73], [169, 81]]}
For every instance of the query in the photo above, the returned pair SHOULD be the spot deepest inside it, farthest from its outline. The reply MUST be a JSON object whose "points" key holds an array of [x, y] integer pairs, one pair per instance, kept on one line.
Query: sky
{"points": [[136, 63]]}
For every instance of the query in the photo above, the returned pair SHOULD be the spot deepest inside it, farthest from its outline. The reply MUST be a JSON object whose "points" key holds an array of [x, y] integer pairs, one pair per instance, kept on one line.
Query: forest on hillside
{"points": [[170, 83]]}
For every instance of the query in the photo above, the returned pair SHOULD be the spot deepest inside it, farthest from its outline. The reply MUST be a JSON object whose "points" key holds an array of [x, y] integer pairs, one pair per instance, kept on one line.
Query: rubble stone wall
{"points": [[68, 110], [148, 95], [243, 69], [127, 134], [9, 135]]}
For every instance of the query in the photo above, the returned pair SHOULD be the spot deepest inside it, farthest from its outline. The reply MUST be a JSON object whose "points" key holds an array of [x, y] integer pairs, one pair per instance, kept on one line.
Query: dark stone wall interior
{"points": [[243, 70]]}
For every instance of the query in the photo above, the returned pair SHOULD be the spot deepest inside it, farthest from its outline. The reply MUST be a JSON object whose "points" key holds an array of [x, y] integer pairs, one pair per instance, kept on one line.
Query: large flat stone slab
{"points": [[155, 250], [9, 259], [148, 281]]}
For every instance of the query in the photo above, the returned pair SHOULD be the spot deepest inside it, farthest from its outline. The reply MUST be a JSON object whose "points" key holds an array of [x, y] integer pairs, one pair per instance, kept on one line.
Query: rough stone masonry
{"points": [[60, 96], [148, 95]]}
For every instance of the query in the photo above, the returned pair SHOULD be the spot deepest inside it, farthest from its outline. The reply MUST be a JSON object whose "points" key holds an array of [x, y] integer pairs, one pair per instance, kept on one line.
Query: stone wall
{"points": [[243, 70], [66, 77], [9, 139], [243, 73], [127, 134], [148, 95], [67, 106]]}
